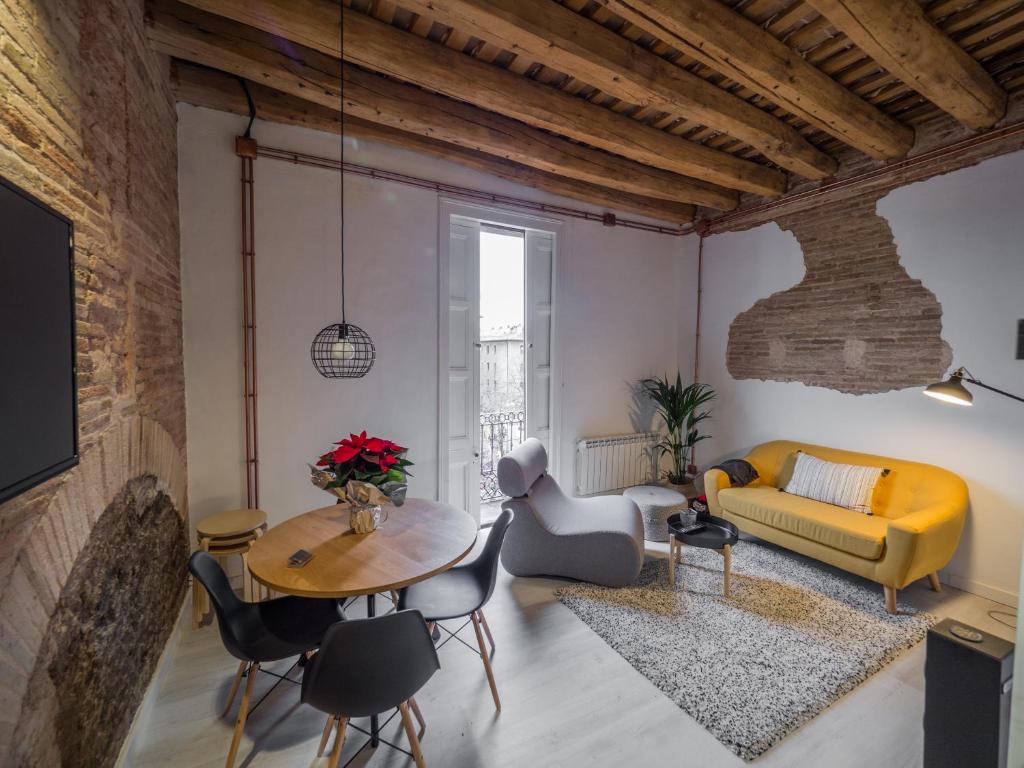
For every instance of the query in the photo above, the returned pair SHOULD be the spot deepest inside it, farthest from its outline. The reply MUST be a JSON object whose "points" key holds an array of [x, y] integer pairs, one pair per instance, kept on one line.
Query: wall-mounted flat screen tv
{"points": [[38, 407]]}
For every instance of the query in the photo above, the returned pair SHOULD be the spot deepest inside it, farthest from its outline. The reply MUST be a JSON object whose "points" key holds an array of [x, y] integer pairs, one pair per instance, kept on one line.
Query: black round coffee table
{"points": [[718, 534]]}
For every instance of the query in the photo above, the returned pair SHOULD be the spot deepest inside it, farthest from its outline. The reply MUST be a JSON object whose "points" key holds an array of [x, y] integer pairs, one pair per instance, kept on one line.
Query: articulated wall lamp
{"points": [[952, 390]]}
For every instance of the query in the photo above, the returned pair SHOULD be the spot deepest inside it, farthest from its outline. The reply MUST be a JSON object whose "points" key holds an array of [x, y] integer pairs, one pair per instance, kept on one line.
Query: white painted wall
{"points": [[962, 235], [623, 305]]}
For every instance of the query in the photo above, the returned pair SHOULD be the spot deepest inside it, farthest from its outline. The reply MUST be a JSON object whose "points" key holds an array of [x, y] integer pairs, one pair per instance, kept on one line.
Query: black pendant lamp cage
{"points": [[343, 350]]}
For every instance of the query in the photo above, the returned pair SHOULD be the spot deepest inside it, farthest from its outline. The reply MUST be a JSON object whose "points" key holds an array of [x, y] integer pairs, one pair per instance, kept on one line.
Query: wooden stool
{"points": [[229, 533]]}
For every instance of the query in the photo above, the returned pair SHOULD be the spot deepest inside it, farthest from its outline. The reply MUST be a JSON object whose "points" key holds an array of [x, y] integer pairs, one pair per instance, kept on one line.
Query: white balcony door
{"points": [[468, 458], [463, 430], [539, 252]]}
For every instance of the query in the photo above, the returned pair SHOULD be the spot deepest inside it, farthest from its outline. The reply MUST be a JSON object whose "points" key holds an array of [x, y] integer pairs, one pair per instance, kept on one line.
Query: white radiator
{"points": [[614, 462]]}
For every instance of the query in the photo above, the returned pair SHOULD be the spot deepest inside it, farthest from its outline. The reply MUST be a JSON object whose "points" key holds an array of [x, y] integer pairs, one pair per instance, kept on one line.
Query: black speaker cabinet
{"points": [[968, 675]]}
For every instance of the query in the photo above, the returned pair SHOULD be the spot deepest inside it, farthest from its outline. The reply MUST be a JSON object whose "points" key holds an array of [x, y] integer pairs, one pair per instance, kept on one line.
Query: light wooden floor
{"points": [[568, 700]]}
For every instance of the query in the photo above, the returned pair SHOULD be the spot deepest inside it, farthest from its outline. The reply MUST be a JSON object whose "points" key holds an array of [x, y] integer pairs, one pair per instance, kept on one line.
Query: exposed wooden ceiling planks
{"points": [[990, 31], [384, 101], [730, 43], [901, 38], [642, 84], [382, 48]]}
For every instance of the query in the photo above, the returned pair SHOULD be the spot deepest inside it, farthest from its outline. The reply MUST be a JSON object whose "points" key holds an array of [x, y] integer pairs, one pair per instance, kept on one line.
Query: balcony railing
{"points": [[499, 434]]}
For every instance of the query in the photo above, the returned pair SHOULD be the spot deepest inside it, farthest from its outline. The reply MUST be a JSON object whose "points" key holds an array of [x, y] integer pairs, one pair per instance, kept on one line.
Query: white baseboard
{"points": [[978, 588], [163, 665]]}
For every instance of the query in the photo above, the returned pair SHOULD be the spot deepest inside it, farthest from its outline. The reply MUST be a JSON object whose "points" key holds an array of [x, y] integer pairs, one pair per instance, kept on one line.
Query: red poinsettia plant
{"points": [[368, 459]]}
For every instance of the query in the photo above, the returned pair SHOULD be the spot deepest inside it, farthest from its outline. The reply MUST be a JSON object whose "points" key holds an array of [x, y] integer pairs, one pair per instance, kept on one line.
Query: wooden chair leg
{"points": [[414, 741], [890, 599], [326, 735], [243, 713], [262, 593], [487, 662], [199, 593], [487, 630], [234, 687], [246, 578], [197, 616], [933, 580], [339, 742], [419, 715]]}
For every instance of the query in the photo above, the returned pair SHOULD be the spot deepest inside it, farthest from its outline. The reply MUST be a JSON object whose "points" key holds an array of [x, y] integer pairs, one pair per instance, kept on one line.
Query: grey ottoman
{"points": [[656, 504]]}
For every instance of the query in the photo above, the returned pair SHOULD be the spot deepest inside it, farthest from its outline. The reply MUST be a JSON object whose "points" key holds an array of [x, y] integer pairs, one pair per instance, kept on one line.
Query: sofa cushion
{"points": [[845, 485], [842, 529]]}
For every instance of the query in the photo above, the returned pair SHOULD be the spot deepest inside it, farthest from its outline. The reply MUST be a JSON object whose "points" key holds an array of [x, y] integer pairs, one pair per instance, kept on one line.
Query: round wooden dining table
{"points": [[418, 540]]}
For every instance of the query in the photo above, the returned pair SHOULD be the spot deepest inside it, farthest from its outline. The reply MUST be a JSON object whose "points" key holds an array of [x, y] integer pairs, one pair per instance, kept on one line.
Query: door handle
{"points": [[476, 455], [476, 344]]}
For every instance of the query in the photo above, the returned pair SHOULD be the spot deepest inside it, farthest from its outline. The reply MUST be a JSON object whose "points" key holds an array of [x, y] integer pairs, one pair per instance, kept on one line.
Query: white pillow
{"points": [[845, 485]]}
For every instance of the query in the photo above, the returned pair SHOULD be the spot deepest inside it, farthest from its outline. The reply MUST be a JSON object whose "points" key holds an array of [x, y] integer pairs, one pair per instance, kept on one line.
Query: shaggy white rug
{"points": [[792, 639]]}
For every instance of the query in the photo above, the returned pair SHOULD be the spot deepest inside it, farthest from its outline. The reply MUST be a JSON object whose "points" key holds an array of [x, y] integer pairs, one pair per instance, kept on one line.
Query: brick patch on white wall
{"points": [[856, 322]]}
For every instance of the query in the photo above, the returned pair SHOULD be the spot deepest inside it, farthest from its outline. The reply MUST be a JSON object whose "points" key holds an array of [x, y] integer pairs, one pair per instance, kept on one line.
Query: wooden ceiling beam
{"points": [[602, 197], [385, 49], [193, 35], [563, 39], [713, 33], [312, 23], [214, 41], [381, 100], [901, 39], [213, 89]]}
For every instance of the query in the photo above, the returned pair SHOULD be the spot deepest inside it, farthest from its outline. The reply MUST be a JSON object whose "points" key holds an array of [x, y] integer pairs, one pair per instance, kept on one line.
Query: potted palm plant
{"points": [[682, 409]]}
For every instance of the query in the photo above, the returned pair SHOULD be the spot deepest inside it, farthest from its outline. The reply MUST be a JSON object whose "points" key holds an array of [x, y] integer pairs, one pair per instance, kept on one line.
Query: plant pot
{"points": [[364, 520], [686, 488]]}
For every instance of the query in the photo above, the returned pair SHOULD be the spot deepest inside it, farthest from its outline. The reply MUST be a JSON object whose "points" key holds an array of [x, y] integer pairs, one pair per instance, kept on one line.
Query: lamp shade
{"points": [[343, 351], [952, 390]]}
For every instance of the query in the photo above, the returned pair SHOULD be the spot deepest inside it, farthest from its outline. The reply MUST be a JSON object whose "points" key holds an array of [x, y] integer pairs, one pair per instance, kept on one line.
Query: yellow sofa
{"points": [[918, 515]]}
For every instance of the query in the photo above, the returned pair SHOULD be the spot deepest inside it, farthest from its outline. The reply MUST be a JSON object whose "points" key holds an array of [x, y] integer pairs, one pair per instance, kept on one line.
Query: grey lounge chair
{"points": [[600, 539]]}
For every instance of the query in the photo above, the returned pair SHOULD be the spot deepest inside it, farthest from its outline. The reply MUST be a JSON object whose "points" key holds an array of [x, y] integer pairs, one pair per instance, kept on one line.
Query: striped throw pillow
{"points": [[844, 485]]}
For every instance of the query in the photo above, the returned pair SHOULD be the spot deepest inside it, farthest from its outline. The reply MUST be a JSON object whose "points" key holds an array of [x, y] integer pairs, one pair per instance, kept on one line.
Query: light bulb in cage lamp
{"points": [[343, 351]]}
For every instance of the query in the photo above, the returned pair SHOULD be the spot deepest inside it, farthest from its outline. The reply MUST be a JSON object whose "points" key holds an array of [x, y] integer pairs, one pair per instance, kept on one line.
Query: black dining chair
{"points": [[463, 591], [368, 666], [256, 633]]}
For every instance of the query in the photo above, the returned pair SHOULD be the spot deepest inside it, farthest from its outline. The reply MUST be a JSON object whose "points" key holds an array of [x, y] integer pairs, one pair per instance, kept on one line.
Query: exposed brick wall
{"points": [[856, 322], [87, 123]]}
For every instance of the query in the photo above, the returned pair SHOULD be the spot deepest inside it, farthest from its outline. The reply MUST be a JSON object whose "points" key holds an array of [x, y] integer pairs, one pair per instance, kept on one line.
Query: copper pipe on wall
{"points": [[245, 148], [700, 296], [692, 468], [299, 158]]}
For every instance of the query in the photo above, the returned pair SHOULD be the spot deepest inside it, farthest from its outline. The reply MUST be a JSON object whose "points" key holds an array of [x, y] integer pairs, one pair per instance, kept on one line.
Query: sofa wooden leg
{"points": [[933, 579], [890, 599]]}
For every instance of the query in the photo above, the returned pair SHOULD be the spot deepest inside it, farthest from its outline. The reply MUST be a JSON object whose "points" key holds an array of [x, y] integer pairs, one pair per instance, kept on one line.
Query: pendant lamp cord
{"points": [[343, 323], [341, 198]]}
